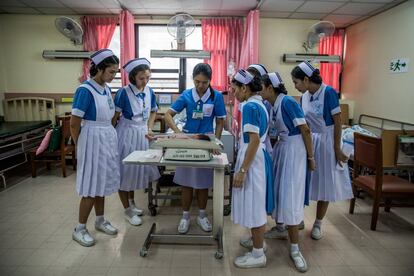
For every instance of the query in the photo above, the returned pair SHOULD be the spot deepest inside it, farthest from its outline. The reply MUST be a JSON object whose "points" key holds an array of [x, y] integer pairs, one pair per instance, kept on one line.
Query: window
{"points": [[165, 70], [115, 46]]}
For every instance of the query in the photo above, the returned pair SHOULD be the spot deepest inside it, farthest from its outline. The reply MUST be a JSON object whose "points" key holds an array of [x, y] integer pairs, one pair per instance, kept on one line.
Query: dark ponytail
{"points": [[107, 62], [255, 85], [297, 73], [281, 89]]}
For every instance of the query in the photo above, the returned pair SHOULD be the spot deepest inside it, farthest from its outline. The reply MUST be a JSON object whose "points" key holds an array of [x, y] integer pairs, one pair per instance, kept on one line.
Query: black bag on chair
{"points": [[54, 142]]}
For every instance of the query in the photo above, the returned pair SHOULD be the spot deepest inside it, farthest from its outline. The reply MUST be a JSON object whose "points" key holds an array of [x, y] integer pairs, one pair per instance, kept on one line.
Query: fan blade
{"points": [[326, 28]]}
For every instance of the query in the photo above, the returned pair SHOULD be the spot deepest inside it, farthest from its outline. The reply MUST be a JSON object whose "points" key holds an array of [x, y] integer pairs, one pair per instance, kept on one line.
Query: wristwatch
{"points": [[242, 170]]}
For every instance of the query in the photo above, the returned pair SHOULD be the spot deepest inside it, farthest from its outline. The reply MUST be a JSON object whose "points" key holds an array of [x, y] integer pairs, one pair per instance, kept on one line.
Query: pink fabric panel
{"points": [[332, 45], [222, 37], [98, 32], [127, 41], [45, 142], [249, 54]]}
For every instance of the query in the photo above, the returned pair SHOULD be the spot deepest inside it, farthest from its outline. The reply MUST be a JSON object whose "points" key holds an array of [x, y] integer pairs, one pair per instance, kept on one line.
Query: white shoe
{"points": [[106, 227], [248, 243], [248, 261], [316, 233], [183, 226], [299, 261], [204, 223], [276, 233], [134, 219], [83, 237], [137, 211]]}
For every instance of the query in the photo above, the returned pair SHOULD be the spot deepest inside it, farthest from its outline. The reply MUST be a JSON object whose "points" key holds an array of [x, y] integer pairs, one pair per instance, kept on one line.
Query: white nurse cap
{"points": [[100, 55], [275, 79], [259, 67], [132, 64], [307, 68], [243, 76]]}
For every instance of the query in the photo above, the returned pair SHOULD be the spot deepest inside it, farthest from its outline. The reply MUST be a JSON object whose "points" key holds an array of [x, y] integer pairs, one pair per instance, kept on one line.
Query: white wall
{"points": [[26, 70], [22, 67], [278, 37], [367, 81]]}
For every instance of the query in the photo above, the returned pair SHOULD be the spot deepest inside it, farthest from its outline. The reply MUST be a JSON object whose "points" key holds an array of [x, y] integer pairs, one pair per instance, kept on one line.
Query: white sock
{"points": [[80, 227], [131, 202], [294, 247], [186, 215], [202, 213], [100, 219], [318, 222], [128, 211], [257, 252], [280, 226]]}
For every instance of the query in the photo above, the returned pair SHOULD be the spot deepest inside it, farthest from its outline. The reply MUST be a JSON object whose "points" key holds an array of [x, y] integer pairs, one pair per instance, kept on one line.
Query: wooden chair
{"points": [[383, 188], [57, 155]]}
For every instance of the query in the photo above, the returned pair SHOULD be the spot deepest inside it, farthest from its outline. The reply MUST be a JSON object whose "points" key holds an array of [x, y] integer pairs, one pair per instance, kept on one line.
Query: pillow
{"points": [[45, 142]]}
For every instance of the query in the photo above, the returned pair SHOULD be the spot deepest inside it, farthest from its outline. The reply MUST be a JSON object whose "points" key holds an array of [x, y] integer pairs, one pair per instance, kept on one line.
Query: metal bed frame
{"points": [[19, 144], [19, 110]]}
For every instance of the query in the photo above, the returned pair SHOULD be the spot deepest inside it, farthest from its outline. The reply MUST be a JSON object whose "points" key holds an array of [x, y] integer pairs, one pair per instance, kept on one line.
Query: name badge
{"points": [[198, 114], [145, 114], [111, 103], [272, 130], [208, 109]]}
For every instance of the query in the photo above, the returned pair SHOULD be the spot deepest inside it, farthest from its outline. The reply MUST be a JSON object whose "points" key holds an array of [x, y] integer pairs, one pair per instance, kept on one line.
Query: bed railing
{"points": [[389, 131], [29, 109]]}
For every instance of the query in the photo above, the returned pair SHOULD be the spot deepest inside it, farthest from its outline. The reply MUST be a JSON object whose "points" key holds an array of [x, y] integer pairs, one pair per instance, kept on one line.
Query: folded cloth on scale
{"points": [[187, 141]]}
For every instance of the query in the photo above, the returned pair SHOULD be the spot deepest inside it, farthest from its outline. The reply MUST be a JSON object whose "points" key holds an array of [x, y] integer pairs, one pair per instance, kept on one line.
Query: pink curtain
{"points": [[127, 41], [332, 45], [249, 54], [222, 37], [97, 34]]}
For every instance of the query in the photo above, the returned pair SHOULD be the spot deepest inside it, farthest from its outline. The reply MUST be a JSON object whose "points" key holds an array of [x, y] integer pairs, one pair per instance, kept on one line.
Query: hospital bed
{"points": [[26, 120], [389, 130]]}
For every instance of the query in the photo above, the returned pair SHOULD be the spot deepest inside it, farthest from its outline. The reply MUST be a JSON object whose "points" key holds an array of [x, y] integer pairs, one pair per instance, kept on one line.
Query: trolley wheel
{"points": [[218, 255], [143, 253], [227, 210], [153, 211]]}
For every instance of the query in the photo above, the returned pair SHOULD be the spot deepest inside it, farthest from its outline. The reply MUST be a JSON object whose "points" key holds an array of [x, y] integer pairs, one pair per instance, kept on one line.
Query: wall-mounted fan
{"points": [[317, 32], [180, 26], [69, 28]]}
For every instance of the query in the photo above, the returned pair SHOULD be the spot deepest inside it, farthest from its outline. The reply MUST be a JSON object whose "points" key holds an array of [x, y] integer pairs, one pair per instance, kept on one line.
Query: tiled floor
{"points": [[37, 217]]}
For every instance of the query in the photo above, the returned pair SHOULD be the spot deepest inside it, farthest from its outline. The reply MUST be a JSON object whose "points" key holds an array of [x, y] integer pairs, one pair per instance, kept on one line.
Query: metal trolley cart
{"points": [[218, 163]]}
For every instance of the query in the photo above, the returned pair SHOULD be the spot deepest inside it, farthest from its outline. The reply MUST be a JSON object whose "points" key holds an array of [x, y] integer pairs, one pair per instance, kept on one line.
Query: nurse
{"points": [[291, 155], [202, 104], [97, 145], [330, 182], [137, 104], [253, 168], [258, 70]]}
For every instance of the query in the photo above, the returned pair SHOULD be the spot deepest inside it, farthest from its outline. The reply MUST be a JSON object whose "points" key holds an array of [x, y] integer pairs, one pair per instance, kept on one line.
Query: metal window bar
{"points": [[162, 81]]}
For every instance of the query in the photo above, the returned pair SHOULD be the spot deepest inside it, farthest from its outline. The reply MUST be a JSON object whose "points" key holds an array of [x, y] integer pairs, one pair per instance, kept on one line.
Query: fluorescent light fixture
{"points": [[311, 57], [180, 54], [62, 54]]}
